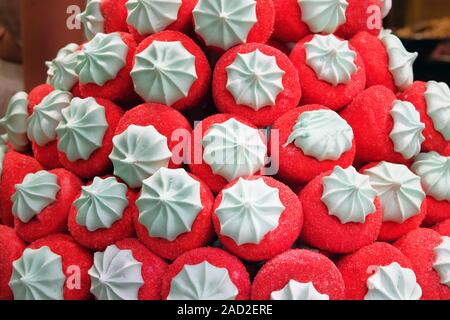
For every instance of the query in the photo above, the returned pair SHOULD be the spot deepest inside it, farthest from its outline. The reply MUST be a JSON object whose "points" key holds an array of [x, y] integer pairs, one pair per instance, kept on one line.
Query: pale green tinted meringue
{"points": [[399, 190], [202, 281], [38, 275], [169, 203], [152, 16], [331, 59], [224, 23], [61, 70], [393, 282], [92, 19], [81, 129], [295, 290], [407, 131], [14, 123], [434, 170], [323, 16], [46, 117], [116, 275], [442, 261], [101, 204], [348, 195], [164, 72], [437, 97], [36, 192], [138, 153], [400, 60], [322, 134], [255, 80], [249, 210], [102, 58], [233, 149]]}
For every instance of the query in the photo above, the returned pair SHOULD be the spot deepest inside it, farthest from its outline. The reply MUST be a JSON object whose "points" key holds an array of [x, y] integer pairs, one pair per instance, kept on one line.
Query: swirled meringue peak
{"points": [[400, 60], [434, 170], [407, 131], [164, 72], [331, 59], [255, 80], [399, 190], [295, 290], [442, 262], [101, 204], [38, 275], [393, 282], [202, 281], [81, 129], [437, 97], [116, 275], [46, 116], [14, 123], [138, 153], [61, 73], [348, 195], [152, 16], [233, 149], [92, 19], [36, 192], [322, 134], [101, 58], [323, 16], [224, 23], [169, 203], [249, 210]]}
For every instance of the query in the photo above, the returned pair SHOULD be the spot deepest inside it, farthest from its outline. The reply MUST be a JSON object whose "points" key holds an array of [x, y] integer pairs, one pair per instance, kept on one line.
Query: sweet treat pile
{"points": [[228, 150]]}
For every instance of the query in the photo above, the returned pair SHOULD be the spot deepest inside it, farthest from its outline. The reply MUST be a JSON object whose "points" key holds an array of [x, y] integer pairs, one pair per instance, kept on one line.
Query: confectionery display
{"points": [[227, 150]]}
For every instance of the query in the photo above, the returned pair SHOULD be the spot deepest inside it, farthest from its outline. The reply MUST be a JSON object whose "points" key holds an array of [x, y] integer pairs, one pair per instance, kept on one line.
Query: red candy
{"points": [[216, 257], [434, 140], [101, 238], [153, 268], [326, 232], [286, 100], [165, 119], [274, 242], [201, 234], [11, 248], [182, 24], [376, 60], [294, 165], [119, 89], [73, 255], [317, 91], [302, 266], [357, 267], [200, 87], [53, 218], [115, 14], [200, 168], [15, 167], [372, 130], [98, 163]]}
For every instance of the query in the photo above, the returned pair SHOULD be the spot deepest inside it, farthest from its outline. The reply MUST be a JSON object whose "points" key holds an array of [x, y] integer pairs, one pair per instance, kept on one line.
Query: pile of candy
{"points": [[318, 169]]}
